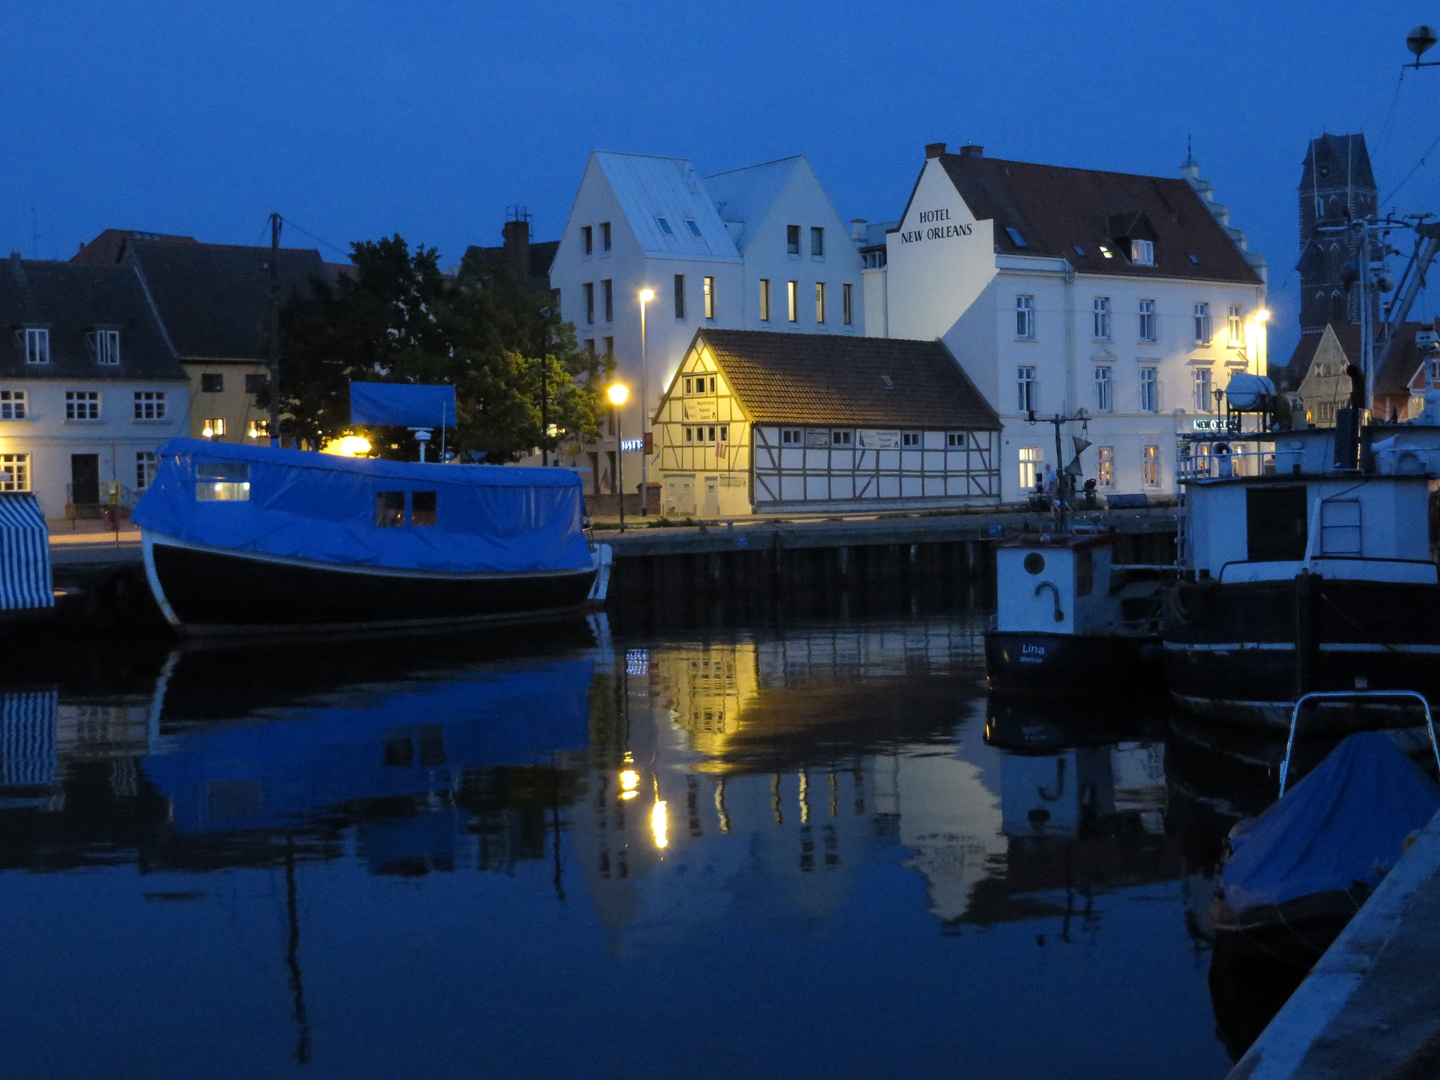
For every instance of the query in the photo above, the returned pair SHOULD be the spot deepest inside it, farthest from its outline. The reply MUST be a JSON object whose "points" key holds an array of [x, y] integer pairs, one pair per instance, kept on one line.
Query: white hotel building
{"points": [[1060, 289], [759, 248]]}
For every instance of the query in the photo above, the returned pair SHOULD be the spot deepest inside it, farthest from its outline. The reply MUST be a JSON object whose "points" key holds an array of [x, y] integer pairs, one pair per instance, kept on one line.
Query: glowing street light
{"points": [[617, 394]]}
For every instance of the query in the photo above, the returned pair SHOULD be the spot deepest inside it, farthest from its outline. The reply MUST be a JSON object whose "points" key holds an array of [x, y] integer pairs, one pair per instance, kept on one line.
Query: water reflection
{"points": [[825, 826]]}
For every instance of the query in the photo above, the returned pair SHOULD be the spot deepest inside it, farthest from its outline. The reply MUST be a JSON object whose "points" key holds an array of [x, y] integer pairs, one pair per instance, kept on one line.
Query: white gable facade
{"points": [[706, 248]]}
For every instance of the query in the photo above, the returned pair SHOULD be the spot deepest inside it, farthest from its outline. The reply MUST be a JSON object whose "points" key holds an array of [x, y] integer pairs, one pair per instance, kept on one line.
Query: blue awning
{"points": [[25, 580], [402, 405]]}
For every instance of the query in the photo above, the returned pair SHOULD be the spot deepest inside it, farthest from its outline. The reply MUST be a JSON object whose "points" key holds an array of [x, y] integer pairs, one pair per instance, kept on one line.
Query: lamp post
{"points": [[617, 393], [646, 295]]}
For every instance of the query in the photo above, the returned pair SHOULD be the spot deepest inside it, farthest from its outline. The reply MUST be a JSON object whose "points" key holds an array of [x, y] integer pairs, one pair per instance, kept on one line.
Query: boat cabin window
{"points": [[389, 509], [1276, 529], [1340, 530], [222, 481], [1034, 562], [422, 508]]}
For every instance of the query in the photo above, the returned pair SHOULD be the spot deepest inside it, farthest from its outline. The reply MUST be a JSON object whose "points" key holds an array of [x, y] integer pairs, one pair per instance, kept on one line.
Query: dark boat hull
{"points": [[1043, 664], [213, 591], [1231, 650]]}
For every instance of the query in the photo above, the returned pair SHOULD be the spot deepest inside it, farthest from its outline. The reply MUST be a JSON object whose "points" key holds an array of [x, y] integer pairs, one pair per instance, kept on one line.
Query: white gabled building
{"points": [[759, 248], [1060, 289]]}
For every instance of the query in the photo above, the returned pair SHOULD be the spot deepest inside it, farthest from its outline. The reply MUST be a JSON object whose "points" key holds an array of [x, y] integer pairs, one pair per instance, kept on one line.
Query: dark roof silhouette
{"points": [[73, 301], [862, 382], [1336, 161], [109, 246]]}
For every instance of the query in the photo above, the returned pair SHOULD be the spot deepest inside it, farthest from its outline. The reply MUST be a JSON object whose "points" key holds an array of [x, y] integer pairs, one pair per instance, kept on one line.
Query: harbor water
{"points": [[793, 842]]}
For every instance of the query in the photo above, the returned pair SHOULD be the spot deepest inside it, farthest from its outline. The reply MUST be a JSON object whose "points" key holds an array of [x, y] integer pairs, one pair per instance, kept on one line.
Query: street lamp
{"points": [[646, 295], [617, 394]]}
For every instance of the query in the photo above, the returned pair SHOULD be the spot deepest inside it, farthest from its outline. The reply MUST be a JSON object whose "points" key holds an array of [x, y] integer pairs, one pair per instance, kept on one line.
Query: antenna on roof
{"points": [[517, 212]]}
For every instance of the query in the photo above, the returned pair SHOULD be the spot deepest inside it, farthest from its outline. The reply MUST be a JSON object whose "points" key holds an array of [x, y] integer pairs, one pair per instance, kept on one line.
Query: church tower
{"points": [[1336, 187]]}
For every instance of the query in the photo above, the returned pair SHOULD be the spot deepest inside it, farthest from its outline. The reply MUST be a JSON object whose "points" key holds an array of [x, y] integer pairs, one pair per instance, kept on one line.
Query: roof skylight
{"points": [[1106, 252], [1078, 249], [694, 229], [1015, 237], [664, 226], [1194, 258]]}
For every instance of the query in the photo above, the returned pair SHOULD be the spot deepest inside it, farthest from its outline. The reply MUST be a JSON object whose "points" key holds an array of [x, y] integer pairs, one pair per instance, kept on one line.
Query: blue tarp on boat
{"points": [[25, 580], [486, 518], [402, 405], [1343, 824]]}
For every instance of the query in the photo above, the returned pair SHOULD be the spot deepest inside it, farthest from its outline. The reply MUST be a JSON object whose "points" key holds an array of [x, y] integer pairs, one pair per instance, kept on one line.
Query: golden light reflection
{"points": [[629, 783], [349, 446], [660, 824]]}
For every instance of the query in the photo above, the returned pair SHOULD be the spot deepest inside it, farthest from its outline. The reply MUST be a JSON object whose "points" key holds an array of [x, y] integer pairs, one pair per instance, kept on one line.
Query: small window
{"points": [[389, 509], [1105, 470], [820, 302], [212, 384], [793, 296], [1202, 323], [1106, 252], [792, 239], [37, 345], [709, 298], [144, 470], [840, 438], [846, 303], [1149, 389], [256, 384], [82, 405], [222, 481], [764, 299], [149, 405], [107, 347], [724, 433], [422, 508], [14, 472], [1078, 249], [688, 382], [910, 439], [1203, 400], [665, 229], [1194, 258], [605, 236], [1025, 318], [609, 346], [689, 434], [1029, 467], [679, 296], [711, 436], [792, 437], [1142, 252], [1147, 320], [1015, 237], [712, 384], [1026, 384], [1104, 390], [1101, 318], [214, 427], [955, 440], [1150, 466], [589, 290], [12, 404], [590, 346], [694, 229], [817, 243], [587, 239], [607, 293], [1235, 323]]}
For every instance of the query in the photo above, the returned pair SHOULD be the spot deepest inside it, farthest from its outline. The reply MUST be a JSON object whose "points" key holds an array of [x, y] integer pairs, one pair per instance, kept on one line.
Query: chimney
{"points": [[517, 243], [858, 229], [934, 149], [972, 150]]}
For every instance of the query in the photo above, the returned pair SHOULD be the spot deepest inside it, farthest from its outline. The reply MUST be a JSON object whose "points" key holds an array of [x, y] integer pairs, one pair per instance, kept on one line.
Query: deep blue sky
{"points": [[429, 118]]}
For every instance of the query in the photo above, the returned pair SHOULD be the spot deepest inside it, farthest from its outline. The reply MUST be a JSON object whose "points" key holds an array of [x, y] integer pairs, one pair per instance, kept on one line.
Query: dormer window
{"points": [[694, 229], [106, 344], [665, 229], [1142, 252], [37, 344]]}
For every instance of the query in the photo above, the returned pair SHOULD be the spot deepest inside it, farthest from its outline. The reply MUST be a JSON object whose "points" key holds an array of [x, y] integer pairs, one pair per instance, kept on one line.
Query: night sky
{"points": [[357, 120]]}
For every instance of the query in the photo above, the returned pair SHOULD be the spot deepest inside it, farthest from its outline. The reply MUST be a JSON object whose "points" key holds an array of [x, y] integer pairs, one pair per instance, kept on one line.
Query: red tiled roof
{"points": [[785, 378]]}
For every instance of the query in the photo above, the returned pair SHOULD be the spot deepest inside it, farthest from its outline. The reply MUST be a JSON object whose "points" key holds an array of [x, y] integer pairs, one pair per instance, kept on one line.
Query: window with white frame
{"points": [[12, 404], [1147, 320], [910, 439], [955, 440], [1025, 384], [37, 345], [1029, 467], [764, 299], [1104, 390], [1105, 467], [1203, 401], [820, 302], [1150, 466], [107, 347], [841, 438], [1202, 323], [1235, 321], [82, 405], [1102, 318], [1142, 252], [144, 470], [847, 304], [792, 436], [14, 472], [792, 290], [149, 404], [1149, 389], [709, 298], [1025, 318]]}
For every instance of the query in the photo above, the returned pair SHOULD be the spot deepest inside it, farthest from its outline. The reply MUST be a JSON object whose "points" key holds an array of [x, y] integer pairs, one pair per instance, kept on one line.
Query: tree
{"points": [[398, 318]]}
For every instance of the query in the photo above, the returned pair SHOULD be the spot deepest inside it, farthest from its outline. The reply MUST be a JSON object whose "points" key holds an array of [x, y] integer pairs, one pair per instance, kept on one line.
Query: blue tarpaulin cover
{"points": [[1344, 823], [488, 518], [402, 405]]}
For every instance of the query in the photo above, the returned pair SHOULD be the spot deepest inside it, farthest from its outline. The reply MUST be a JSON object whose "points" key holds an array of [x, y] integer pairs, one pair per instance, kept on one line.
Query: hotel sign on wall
{"points": [[936, 226]]}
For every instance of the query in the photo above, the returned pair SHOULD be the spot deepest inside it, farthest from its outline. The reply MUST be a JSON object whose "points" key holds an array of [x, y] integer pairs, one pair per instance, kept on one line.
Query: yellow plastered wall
{"points": [[701, 473]]}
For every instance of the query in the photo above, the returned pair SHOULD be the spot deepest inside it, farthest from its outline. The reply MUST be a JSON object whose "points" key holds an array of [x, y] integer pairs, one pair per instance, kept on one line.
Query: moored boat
{"points": [[241, 539]]}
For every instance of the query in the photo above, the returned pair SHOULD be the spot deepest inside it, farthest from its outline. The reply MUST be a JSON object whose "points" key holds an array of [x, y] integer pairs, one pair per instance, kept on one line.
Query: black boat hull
{"points": [[212, 591], [1231, 651], [1042, 664]]}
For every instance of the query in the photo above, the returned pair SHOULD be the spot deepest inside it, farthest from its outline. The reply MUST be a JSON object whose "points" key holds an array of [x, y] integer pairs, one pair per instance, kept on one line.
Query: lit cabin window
{"points": [[389, 509], [222, 481]]}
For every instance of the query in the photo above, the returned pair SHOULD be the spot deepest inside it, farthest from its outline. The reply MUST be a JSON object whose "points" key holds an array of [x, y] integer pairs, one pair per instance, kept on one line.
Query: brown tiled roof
{"points": [[1054, 209], [861, 382], [1393, 380], [109, 246]]}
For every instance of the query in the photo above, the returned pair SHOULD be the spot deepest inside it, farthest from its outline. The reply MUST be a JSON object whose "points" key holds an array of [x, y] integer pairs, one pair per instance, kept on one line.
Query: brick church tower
{"points": [[1336, 187]]}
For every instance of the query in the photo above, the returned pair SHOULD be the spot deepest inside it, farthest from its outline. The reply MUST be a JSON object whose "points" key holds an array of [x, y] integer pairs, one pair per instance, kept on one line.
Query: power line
{"points": [[317, 239], [1416, 168]]}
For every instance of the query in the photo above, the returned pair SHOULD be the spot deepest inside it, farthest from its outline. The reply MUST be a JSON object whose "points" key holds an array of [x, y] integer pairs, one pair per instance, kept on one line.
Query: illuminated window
{"points": [[1202, 323], [1104, 390], [792, 239], [214, 427], [107, 347], [764, 299], [144, 470], [37, 345], [793, 295], [1236, 324], [1101, 318], [1025, 318], [12, 404], [1142, 252], [1105, 473], [1147, 320], [846, 304], [709, 298], [817, 243], [1029, 466], [1149, 389], [82, 405], [820, 301], [14, 472], [1150, 466], [1026, 384], [222, 481]]}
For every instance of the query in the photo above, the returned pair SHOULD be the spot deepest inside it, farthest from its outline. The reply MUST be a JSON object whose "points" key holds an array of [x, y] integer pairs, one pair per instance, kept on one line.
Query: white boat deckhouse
{"points": [[757, 422]]}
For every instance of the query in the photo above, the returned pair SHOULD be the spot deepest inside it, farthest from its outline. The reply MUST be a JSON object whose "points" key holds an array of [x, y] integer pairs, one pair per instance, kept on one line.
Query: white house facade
{"points": [[1067, 290], [760, 248]]}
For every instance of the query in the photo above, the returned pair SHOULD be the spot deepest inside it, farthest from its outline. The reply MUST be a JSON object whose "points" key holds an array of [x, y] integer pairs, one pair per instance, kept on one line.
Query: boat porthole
{"points": [[1034, 562]]}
